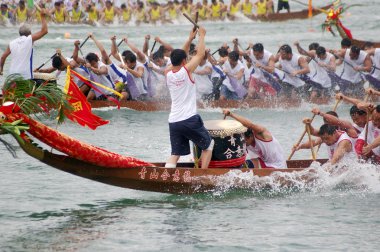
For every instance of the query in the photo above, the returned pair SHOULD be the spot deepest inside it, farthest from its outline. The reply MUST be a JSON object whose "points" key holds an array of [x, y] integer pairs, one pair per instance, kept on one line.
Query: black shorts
{"points": [[190, 129], [282, 5]]}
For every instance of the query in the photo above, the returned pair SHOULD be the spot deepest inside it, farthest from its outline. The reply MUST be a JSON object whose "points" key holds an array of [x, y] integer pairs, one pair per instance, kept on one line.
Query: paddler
{"points": [[108, 13], [293, 67], [261, 8], [338, 143], [22, 13], [355, 61], [247, 8], [263, 148], [77, 15], [126, 13], [324, 65], [263, 63], [21, 49], [368, 144], [58, 13], [184, 122], [155, 13], [234, 70], [60, 63]]}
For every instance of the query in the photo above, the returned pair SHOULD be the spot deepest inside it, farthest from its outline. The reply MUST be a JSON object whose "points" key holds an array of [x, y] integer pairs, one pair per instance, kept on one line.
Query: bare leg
{"points": [[172, 161], [205, 158]]}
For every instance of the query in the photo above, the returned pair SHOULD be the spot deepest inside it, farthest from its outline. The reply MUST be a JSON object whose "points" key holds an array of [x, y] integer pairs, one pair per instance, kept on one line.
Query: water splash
{"points": [[349, 175]]}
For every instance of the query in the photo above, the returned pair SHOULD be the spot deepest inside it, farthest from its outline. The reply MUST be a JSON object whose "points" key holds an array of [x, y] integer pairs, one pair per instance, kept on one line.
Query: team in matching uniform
{"points": [[108, 12]]}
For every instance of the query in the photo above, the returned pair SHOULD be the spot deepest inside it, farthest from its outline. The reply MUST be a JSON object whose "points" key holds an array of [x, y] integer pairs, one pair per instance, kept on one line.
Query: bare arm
{"points": [[206, 71], [103, 52], [140, 55], [343, 148], [5, 55], [354, 101], [114, 50], [197, 58], [146, 44], [186, 46], [304, 66], [258, 129], [75, 54], [44, 27]]}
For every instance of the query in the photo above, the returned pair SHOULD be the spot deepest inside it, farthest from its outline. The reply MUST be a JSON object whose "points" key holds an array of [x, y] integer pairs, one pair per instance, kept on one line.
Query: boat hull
{"points": [[185, 179], [278, 17]]}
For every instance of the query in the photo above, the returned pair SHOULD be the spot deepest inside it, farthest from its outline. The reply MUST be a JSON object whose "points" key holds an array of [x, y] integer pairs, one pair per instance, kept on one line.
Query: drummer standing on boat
{"points": [[184, 122], [21, 49], [262, 146]]}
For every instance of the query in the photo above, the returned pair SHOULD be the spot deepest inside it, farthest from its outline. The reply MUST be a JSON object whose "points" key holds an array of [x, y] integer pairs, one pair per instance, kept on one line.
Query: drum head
{"points": [[44, 76], [223, 128]]}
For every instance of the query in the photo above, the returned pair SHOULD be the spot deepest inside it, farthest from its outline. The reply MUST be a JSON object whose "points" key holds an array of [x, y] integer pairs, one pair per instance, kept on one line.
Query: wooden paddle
{"points": [[196, 26], [307, 128], [38, 68], [196, 20], [117, 47], [299, 140]]}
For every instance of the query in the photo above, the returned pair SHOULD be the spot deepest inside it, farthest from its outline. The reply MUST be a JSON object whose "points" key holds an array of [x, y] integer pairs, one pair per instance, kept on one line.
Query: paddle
{"points": [[117, 47], [154, 45], [300, 140], [38, 68], [307, 128], [191, 20], [368, 119], [196, 20]]}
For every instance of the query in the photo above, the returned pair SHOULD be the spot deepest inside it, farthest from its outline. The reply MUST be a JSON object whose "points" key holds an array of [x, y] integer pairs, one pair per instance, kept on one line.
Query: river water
{"points": [[43, 209]]}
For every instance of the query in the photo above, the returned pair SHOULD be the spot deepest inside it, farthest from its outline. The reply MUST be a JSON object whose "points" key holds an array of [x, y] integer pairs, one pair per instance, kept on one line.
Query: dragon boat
{"points": [[333, 21], [100, 165], [302, 14], [24, 100]]}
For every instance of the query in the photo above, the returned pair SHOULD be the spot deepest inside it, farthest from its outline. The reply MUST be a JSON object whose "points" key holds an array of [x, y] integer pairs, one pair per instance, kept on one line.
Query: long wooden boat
{"points": [[302, 14], [164, 105], [185, 179]]}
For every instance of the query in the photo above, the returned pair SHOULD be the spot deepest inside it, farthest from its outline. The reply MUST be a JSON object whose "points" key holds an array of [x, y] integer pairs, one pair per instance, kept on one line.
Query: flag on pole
{"points": [[81, 113], [310, 14]]}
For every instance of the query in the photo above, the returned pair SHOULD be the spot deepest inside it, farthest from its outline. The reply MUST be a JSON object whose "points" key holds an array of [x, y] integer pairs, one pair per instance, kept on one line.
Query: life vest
{"points": [[75, 15], [140, 15], [126, 14], [247, 9], [202, 13], [93, 15], [5, 15], [59, 16], [261, 7], [155, 14], [172, 13], [21, 15], [215, 10], [186, 10], [234, 8], [109, 14]]}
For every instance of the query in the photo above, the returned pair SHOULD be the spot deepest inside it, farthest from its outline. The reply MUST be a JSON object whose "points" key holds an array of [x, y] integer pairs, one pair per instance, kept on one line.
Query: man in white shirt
{"points": [[21, 49], [184, 122]]}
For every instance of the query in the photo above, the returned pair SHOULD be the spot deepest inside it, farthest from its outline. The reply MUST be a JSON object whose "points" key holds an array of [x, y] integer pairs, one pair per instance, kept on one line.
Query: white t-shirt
{"points": [[291, 66], [183, 95], [376, 64], [203, 82], [348, 72], [332, 148], [232, 71], [22, 56], [373, 133], [103, 79], [321, 76], [258, 74], [270, 152]]}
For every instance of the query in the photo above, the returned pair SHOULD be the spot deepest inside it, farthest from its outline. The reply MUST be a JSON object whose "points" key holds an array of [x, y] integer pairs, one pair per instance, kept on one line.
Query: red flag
{"points": [[82, 109]]}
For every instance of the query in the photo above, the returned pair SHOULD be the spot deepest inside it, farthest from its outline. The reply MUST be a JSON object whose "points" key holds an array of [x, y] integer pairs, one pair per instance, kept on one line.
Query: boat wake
{"points": [[347, 176]]}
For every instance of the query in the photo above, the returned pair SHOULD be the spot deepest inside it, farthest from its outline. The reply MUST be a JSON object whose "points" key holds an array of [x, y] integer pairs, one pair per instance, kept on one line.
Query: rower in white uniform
{"points": [[21, 49], [263, 148]]}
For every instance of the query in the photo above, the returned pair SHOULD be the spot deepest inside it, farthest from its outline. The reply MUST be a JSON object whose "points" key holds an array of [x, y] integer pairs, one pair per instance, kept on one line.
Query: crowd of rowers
{"points": [[107, 12]]}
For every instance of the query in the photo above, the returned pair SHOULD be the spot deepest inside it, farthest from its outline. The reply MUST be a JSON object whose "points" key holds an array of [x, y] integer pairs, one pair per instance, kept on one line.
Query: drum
{"points": [[41, 78], [229, 149]]}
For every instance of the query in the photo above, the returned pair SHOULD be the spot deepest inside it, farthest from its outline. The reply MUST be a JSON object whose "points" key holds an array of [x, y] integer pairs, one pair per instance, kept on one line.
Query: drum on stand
{"points": [[41, 78], [229, 149]]}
